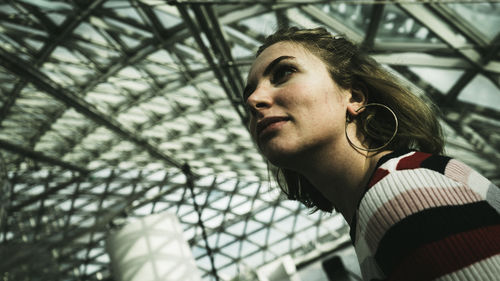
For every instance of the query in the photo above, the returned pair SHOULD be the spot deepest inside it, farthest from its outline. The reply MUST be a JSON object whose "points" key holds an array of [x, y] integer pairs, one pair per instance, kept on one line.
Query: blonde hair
{"points": [[350, 68]]}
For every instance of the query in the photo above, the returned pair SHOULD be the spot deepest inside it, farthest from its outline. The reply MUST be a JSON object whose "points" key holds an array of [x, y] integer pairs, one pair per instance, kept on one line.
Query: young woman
{"points": [[346, 135]]}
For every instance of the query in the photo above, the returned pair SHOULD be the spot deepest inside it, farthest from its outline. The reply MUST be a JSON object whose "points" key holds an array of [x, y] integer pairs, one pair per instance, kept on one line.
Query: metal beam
{"points": [[38, 156], [460, 109], [163, 38], [457, 21], [224, 49], [333, 23], [447, 33], [242, 13], [4, 194], [139, 201], [437, 48], [100, 224], [459, 85], [282, 19], [491, 53], [225, 82], [411, 58], [443, 30], [304, 2], [371, 32], [430, 60], [479, 143], [420, 59], [45, 84], [57, 37], [208, 23], [17, 207]]}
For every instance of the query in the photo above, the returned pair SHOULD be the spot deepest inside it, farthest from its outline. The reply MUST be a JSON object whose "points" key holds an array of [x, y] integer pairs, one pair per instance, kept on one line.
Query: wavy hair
{"points": [[351, 68]]}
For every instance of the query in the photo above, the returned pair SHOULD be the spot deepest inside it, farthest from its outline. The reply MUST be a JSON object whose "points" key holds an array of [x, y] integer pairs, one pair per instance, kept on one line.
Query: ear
{"points": [[357, 99]]}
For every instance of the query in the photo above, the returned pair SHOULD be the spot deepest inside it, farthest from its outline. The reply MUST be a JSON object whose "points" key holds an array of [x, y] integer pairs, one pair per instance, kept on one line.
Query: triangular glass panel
{"points": [[485, 17], [248, 248], [440, 78], [481, 91]]}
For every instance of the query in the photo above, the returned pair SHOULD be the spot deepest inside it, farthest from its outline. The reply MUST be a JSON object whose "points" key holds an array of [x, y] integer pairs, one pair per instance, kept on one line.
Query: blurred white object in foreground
{"points": [[151, 248]]}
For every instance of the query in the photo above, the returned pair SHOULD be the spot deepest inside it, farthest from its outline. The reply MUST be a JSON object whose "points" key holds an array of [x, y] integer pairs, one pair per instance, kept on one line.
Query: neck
{"points": [[341, 175]]}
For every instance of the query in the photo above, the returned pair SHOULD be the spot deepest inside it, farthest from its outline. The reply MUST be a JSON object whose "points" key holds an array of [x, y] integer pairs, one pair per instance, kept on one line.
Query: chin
{"points": [[282, 158]]}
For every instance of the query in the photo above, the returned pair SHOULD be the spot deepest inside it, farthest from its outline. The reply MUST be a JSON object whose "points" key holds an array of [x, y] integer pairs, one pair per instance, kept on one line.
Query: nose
{"points": [[259, 100]]}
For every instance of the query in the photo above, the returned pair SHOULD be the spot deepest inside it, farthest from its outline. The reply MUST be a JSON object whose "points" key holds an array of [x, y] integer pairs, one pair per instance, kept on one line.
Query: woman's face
{"points": [[296, 106]]}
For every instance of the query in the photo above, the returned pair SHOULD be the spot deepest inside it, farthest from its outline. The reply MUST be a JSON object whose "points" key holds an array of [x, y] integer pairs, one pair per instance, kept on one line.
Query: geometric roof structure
{"points": [[114, 109]]}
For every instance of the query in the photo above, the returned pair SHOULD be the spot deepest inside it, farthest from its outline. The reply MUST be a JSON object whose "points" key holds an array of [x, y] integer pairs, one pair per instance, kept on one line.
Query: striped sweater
{"points": [[427, 217]]}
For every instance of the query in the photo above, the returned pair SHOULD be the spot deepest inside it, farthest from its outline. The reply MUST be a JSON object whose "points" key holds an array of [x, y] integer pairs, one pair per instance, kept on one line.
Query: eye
{"points": [[282, 73]]}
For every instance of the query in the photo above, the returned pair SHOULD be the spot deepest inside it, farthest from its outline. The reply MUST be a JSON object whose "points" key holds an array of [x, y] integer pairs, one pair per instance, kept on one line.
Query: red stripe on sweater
{"points": [[377, 176], [413, 161], [449, 254]]}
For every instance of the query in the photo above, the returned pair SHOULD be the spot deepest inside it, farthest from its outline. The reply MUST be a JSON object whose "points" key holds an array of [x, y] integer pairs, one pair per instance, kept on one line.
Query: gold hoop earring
{"points": [[385, 144]]}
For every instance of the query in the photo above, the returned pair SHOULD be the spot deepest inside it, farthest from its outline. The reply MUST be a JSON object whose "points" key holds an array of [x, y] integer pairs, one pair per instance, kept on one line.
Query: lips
{"points": [[268, 121]]}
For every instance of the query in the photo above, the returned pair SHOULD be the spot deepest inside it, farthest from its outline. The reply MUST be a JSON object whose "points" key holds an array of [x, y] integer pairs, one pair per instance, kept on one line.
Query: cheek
{"points": [[312, 100], [299, 95]]}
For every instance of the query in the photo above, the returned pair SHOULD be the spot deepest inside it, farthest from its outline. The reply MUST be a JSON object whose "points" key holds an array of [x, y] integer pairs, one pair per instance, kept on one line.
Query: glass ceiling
{"points": [[103, 102]]}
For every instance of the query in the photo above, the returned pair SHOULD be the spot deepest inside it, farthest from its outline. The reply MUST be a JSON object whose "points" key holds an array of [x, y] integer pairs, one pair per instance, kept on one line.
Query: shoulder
{"points": [[416, 200], [413, 182], [424, 173]]}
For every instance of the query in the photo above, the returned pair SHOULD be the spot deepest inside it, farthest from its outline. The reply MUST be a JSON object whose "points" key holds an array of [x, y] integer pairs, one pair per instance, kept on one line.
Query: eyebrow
{"points": [[266, 72]]}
